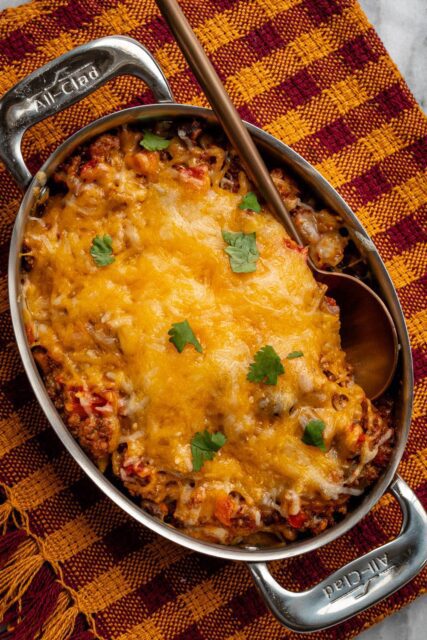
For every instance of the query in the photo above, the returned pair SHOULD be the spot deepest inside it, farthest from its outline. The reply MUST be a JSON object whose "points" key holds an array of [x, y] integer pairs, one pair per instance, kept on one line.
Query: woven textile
{"points": [[314, 74]]}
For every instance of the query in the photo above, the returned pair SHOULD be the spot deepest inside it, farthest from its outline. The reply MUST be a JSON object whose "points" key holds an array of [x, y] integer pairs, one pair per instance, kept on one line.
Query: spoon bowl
{"points": [[368, 334]]}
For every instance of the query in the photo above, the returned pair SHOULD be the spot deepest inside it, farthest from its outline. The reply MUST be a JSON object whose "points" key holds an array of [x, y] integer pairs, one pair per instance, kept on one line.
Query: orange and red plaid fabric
{"points": [[314, 74]]}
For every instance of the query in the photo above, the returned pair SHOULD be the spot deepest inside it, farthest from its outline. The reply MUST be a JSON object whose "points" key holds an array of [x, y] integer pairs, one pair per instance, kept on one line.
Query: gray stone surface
{"points": [[402, 25]]}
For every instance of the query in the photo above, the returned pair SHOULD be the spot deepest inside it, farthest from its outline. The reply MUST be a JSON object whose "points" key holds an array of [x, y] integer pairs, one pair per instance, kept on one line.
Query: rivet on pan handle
{"points": [[67, 80], [358, 585]]}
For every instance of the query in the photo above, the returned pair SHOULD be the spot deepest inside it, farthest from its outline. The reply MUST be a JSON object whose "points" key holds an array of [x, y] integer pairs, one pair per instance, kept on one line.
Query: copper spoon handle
{"points": [[227, 113]]}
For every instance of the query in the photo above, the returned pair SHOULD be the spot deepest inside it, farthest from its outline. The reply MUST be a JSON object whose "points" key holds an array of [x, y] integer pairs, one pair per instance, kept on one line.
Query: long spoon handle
{"points": [[226, 112]]}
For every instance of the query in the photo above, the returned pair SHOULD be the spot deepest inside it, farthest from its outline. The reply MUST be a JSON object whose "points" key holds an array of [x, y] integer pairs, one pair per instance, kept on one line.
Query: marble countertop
{"points": [[402, 25]]}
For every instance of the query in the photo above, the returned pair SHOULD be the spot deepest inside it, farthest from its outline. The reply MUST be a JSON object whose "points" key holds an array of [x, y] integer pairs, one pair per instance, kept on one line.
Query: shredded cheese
{"points": [[109, 326]]}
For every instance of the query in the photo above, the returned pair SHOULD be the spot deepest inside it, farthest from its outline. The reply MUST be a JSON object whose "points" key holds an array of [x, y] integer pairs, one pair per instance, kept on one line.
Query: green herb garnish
{"points": [[313, 434], [242, 251], [250, 201], [102, 250], [294, 354], [181, 334], [204, 446], [153, 142], [266, 366]]}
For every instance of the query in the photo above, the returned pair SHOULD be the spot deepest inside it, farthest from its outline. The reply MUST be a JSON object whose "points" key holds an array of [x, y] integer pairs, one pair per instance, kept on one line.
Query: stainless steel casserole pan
{"points": [[360, 583]]}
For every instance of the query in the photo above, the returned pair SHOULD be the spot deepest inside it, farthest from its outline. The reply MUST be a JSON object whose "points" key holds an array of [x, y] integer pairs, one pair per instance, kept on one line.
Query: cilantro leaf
{"points": [[242, 250], [181, 334], [294, 354], [266, 366], [102, 250], [152, 142], [313, 434], [204, 445], [250, 201]]}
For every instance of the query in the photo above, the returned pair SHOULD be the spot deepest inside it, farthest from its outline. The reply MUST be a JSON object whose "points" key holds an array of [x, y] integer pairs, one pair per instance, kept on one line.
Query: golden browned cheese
{"points": [[107, 328]]}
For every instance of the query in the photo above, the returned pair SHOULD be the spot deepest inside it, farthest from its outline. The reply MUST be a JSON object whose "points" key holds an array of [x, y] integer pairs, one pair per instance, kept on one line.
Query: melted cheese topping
{"points": [[108, 328]]}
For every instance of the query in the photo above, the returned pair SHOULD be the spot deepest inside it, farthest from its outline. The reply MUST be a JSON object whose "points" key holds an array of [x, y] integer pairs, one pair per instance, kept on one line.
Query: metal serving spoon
{"points": [[368, 334]]}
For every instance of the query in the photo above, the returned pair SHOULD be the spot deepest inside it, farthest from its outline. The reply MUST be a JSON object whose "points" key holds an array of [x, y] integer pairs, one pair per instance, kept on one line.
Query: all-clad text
{"points": [[66, 85], [359, 580]]}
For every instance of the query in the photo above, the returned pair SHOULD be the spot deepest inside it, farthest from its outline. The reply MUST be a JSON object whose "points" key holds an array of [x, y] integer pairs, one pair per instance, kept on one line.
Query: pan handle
{"points": [[67, 80], [358, 585]]}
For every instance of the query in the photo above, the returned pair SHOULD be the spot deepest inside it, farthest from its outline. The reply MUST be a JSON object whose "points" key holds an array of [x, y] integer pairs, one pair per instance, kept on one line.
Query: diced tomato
{"points": [[99, 403], [195, 173], [73, 404], [331, 301], [87, 171], [76, 407], [224, 509], [293, 246], [361, 438], [298, 520], [84, 403], [136, 469], [30, 334], [163, 508], [74, 389], [332, 305]]}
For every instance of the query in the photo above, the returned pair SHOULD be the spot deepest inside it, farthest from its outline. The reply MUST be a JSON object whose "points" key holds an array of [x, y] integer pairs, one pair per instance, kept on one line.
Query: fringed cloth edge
{"points": [[35, 602]]}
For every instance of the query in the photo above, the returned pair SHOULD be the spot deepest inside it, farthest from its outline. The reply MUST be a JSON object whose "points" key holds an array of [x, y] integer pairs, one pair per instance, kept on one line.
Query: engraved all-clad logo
{"points": [[66, 83], [359, 580]]}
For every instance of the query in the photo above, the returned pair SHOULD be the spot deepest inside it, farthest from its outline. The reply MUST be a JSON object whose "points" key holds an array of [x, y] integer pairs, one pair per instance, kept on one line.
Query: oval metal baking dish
{"points": [[362, 582]]}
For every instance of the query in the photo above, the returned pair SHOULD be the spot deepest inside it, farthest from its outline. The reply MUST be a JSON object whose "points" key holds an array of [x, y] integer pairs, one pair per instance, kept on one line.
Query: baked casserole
{"points": [[187, 346]]}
